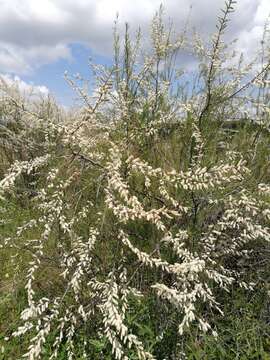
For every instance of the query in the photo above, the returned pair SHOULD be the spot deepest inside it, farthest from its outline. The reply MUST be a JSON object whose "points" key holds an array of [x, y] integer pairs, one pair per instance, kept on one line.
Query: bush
{"points": [[145, 212]]}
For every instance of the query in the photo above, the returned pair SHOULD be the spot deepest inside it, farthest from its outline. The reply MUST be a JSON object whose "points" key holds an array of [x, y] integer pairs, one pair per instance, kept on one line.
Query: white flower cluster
{"points": [[20, 167]]}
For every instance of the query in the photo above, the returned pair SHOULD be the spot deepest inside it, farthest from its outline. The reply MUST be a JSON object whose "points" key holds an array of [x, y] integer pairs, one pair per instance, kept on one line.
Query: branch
{"points": [[86, 159], [244, 87]]}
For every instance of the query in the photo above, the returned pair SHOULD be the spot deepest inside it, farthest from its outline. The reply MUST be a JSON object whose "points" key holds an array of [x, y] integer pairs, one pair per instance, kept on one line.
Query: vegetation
{"points": [[137, 226]]}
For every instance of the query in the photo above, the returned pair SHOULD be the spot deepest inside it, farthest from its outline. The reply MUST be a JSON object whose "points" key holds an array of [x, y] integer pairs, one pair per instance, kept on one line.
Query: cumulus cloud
{"points": [[24, 87], [23, 60], [37, 32]]}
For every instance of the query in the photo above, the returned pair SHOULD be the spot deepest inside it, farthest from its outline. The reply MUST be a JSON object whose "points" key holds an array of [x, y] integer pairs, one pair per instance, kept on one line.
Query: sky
{"points": [[41, 39]]}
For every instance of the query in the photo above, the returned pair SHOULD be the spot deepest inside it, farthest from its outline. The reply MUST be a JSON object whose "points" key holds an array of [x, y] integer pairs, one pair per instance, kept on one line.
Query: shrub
{"points": [[146, 200]]}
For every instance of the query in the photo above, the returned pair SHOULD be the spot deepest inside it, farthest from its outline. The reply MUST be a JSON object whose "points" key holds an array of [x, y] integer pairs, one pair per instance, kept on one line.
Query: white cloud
{"points": [[24, 87], [21, 60], [263, 11], [36, 32]]}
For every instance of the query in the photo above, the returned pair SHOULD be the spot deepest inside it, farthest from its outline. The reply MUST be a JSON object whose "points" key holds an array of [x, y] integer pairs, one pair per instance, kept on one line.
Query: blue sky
{"points": [[40, 39], [52, 75]]}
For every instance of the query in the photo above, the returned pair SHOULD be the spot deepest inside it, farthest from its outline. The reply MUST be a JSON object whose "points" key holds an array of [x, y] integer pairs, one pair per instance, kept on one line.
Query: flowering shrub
{"points": [[141, 196]]}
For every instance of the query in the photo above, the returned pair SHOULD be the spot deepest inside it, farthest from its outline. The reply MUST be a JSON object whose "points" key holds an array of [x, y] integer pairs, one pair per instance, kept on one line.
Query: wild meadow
{"points": [[136, 225]]}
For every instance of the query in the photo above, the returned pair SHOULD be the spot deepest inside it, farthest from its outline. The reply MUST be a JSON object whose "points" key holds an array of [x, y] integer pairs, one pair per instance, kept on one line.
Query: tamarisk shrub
{"points": [[148, 197]]}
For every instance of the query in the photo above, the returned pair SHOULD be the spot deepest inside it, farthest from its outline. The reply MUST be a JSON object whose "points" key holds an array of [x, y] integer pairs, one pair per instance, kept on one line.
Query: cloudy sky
{"points": [[40, 39]]}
